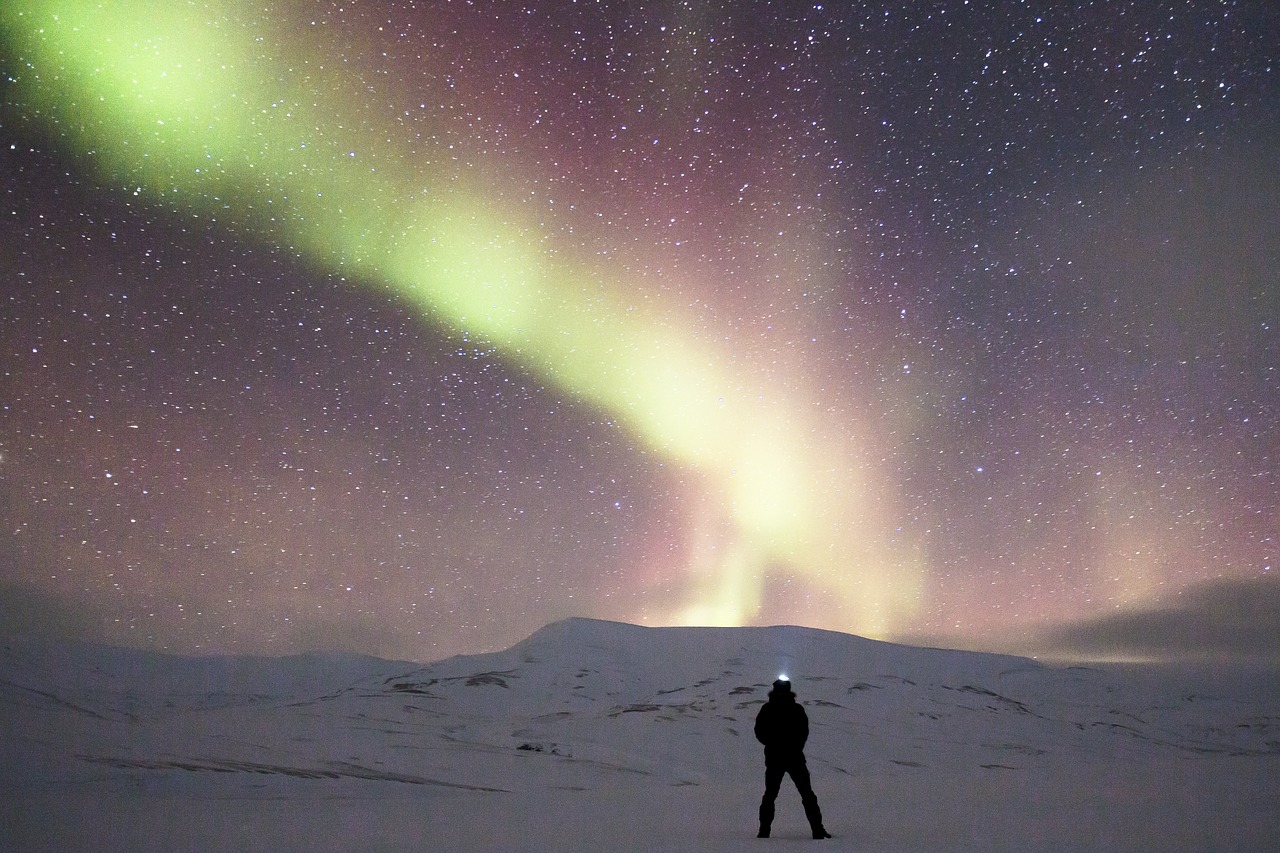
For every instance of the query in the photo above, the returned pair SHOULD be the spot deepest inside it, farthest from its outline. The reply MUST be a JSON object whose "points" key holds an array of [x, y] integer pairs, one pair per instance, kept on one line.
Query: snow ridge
{"points": [[626, 734]]}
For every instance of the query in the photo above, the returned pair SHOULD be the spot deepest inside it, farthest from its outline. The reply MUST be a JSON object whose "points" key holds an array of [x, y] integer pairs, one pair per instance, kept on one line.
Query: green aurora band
{"points": [[186, 104]]}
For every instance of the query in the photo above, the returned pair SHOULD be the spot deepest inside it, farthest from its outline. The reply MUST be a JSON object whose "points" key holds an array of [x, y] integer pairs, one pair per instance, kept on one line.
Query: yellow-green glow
{"points": [[198, 107]]}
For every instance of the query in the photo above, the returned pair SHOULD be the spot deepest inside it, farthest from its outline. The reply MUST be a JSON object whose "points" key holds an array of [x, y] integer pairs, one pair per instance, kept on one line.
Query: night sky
{"points": [[408, 327]]}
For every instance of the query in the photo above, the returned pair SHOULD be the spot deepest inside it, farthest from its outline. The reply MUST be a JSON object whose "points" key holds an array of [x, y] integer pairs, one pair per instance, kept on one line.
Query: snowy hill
{"points": [[595, 735]]}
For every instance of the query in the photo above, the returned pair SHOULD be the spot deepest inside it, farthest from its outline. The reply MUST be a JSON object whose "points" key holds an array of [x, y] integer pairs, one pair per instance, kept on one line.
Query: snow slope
{"points": [[594, 735]]}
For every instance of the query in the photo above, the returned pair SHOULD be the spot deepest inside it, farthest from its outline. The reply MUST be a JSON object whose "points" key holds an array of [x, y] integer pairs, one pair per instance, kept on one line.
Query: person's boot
{"points": [[821, 833], [763, 833]]}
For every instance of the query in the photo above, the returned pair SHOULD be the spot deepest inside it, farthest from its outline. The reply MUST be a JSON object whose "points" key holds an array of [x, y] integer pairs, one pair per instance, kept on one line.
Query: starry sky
{"points": [[405, 328]]}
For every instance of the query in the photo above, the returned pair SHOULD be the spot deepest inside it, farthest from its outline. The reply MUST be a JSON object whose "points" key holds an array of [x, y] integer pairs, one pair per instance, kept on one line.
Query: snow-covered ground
{"points": [[601, 736]]}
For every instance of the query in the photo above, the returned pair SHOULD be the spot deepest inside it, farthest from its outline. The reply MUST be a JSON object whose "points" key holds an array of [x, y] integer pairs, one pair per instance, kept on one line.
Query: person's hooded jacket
{"points": [[782, 725]]}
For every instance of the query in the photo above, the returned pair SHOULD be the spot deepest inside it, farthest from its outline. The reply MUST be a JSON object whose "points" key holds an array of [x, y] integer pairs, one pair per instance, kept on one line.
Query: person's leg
{"points": [[772, 783], [800, 775]]}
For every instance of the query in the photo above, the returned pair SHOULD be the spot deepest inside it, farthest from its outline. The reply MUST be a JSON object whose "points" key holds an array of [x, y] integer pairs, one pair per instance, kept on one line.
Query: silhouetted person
{"points": [[783, 727]]}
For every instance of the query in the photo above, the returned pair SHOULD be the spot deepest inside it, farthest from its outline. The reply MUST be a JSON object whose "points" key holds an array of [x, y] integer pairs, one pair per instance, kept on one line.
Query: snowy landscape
{"points": [[595, 735]]}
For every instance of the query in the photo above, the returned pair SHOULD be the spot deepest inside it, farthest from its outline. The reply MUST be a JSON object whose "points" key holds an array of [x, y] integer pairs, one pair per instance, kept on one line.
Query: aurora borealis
{"points": [[406, 328]]}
